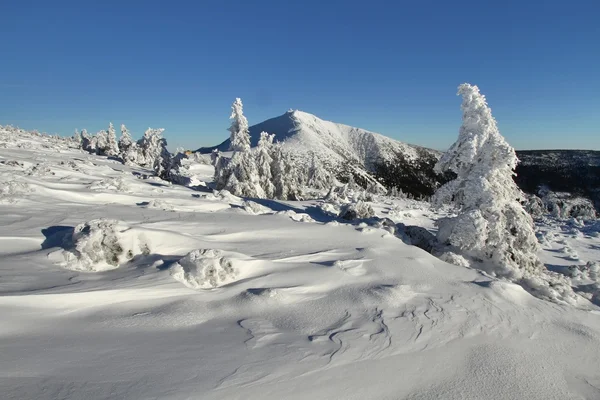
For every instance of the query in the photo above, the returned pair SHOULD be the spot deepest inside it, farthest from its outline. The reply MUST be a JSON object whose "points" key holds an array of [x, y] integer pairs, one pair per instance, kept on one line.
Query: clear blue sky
{"points": [[387, 66]]}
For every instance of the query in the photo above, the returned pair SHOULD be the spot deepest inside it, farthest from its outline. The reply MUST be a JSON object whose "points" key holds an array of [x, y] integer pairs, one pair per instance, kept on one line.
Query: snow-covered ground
{"points": [[280, 300]]}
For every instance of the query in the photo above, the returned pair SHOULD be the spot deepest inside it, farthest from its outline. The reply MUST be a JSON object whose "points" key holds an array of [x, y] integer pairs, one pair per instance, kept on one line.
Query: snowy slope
{"points": [[305, 132], [316, 309]]}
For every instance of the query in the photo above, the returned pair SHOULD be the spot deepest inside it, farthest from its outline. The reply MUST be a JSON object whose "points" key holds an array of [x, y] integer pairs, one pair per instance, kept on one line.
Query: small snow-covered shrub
{"points": [[100, 245], [204, 269], [358, 210]]}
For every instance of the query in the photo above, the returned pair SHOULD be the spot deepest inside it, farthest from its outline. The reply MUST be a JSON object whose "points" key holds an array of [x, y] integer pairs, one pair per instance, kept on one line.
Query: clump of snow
{"points": [[204, 269], [100, 245], [550, 286], [456, 259], [12, 190], [301, 217], [253, 207], [117, 184], [160, 205], [358, 210], [329, 209], [40, 169]]}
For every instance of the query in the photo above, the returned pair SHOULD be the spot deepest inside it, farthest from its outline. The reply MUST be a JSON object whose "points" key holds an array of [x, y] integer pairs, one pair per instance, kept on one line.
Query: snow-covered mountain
{"points": [[338, 142], [350, 150]]}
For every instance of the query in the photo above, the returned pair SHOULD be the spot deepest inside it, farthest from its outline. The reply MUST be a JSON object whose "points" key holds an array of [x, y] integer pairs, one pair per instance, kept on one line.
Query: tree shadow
{"points": [[57, 236], [313, 211]]}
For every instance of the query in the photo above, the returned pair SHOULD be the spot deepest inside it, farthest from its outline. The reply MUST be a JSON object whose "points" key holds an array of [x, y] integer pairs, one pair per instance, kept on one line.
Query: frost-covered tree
{"points": [[318, 176], [240, 134], [153, 153], [222, 172], [77, 138], [89, 143], [491, 224], [128, 149], [285, 176], [112, 145], [101, 142], [125, 142], [240, 175], [263, 164]]}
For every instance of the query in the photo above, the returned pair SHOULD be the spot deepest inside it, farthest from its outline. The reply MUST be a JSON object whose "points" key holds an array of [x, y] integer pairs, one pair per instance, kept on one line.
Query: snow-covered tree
{"points": [[128, 149], [153, 152], [240, 134], [101, 142], [263, 164], [89, 143], [285, 176], [318, 176], [125, 142], [491, 225], [77, 138], [240, 175], [112, 148]]}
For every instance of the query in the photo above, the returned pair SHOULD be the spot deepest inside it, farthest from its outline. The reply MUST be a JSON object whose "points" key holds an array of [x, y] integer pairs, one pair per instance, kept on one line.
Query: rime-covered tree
{"points": [[263, 164], [318, 176], [492, 225], [127, 147], [153, 153], [222, 172], [101, 142], [240, 174], [239, 132], [77, 138], [278, 169], [285, 179], [112, 145]]}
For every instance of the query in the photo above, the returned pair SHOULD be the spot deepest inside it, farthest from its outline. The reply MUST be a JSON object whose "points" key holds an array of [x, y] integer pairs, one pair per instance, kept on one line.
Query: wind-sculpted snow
{"points": [[276, 299]]}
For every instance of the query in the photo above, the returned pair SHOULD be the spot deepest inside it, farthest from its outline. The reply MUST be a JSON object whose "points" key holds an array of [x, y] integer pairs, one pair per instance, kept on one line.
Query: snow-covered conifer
{"points": [[112, 148], [318, 176], [128, 150], [492, 225], [240, 175], [240, 134], [263, 164], [101, 142]]}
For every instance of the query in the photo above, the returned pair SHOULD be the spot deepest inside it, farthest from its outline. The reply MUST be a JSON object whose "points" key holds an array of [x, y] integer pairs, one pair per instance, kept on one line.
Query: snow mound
{"points": [[204, 269], [254, 208], [11, 190], [101, 245], [112, 184]]}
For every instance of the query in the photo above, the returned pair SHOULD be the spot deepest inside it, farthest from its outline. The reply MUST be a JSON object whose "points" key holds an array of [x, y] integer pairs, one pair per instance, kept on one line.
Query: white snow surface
{"points": [[309, 306]]}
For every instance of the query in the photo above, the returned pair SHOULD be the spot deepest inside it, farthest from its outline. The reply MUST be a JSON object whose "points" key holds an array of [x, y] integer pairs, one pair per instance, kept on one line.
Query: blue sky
{"points": [[387, 66]]}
